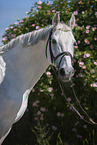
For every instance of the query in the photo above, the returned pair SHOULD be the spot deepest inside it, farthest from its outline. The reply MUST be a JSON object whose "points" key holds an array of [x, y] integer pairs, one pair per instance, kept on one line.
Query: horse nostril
{"points": [[62, 72]]}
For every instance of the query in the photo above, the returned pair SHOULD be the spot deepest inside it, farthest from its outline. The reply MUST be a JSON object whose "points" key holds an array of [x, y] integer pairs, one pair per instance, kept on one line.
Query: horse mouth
{"points": [[64, 79], [65, 75]]}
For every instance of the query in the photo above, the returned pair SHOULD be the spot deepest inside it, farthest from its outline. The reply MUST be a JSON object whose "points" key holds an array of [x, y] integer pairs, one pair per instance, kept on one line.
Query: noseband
{"points": [[54, 58]]}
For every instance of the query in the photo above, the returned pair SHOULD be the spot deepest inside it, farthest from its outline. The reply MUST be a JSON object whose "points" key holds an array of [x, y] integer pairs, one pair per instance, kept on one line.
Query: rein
{"points": [[77, 100]]}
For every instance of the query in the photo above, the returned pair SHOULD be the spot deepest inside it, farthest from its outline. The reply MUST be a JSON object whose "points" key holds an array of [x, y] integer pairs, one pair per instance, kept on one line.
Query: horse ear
{"points": [[71, 22], [56, 19]]}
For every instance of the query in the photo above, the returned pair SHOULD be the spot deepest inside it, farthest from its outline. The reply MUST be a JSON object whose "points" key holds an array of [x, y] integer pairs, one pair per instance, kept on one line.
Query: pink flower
{"points": [[48, 74], [48, 11], [96, 14], [19, 31], [87, 27], [83, 12], [62, 21], [33, 90], [13, 35], [35, 118], [43, 109], [52, 95], [41, 90], [85, 126], [38, 113], [81, 64], [53, 11], [81, 75], [75, 12], [87, 31], [39, 7], [70, 108], [33, 25], [7, 29], [86, 55], [11, 27], [80, 2], [79, 136], [84, 67], [74, 129], [48, 3], [94, 84], [95, 62], [39, 2], [58, 114], [35, 103], [54, 128], [21, 21], [37, 27], [62, 114], [93, 29], [26, 17], [14, 29], [69, 99], [16, 23], [4, 39], [86, 41], [78, 42], [50, 89], [76, 47], [75, 25]]}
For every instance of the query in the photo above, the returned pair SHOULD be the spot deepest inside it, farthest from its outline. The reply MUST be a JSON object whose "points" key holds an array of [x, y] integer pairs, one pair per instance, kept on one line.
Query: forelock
{"points": [[63, 26]]}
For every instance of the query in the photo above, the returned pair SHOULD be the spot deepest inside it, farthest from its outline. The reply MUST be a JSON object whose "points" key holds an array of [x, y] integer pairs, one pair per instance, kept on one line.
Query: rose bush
{"points": [[48, 107]]}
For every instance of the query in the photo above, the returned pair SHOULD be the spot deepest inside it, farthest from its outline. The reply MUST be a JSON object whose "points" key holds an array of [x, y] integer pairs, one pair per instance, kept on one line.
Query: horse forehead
{"points": [[65, 40], [62, 32], [62, 36]]}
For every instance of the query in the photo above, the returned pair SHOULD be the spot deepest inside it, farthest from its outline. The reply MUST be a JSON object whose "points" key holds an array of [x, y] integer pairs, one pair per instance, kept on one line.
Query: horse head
{"points": [[60, 47]]}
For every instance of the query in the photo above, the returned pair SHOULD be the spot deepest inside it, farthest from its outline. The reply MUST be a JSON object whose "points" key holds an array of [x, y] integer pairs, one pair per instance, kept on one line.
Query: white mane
{"points": [[27, 39]]}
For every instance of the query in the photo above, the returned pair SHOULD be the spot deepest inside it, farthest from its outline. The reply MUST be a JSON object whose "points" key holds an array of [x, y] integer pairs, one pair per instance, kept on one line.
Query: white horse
{"points": [[23, 61]]}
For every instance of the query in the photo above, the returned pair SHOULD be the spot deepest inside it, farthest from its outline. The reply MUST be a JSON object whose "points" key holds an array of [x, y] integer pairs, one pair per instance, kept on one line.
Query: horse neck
{"points": [[24, 66]]}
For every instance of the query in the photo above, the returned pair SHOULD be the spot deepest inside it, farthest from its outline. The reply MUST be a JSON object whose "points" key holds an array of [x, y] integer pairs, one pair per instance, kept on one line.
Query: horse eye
{"points": [[54, 41]]}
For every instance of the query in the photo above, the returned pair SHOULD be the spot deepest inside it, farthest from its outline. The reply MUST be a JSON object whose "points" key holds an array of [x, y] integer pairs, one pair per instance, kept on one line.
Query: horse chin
{"points": [[65, 80]]}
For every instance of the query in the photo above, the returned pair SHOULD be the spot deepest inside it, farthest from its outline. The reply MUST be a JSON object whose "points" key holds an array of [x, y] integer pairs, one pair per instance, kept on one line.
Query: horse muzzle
{"points": [[65, 74]]}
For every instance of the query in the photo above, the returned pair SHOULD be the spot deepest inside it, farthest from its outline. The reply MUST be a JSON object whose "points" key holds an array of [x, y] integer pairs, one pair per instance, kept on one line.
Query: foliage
{"points": [[47, 105]]}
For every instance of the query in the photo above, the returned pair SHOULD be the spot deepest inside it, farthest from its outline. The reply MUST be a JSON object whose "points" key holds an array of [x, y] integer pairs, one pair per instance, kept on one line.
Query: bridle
{"points": [[54, 58]]}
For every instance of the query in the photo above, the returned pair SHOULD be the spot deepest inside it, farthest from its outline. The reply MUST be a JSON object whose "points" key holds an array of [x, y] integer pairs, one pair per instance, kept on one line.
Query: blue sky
{"points": [[11, 10]]}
